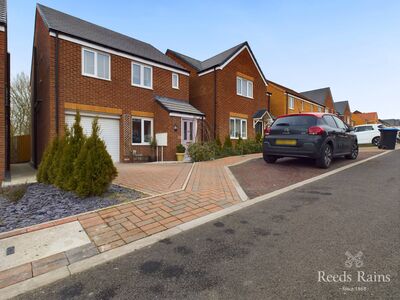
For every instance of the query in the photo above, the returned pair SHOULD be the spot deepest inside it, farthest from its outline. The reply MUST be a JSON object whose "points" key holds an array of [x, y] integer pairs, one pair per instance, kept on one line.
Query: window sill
{"points": [[175, 88], [140, 144], [244, 96], [142, 86], [96, 77], [236, 138]]}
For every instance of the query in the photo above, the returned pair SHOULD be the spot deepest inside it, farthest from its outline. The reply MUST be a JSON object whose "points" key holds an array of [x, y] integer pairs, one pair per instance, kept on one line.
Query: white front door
{"points": [[188, 131]]}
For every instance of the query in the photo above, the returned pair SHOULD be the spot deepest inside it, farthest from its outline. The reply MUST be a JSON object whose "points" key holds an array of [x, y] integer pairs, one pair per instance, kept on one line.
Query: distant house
{"points": [[390, 122], [230, 89], [4, 93], [342, 108], [360, 118], [135, 90], [322, 97], [284, 100]]}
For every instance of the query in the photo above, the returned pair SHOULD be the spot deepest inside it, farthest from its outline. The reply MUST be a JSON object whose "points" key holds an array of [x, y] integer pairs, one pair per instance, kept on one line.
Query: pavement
{"points": [[295, 245]]}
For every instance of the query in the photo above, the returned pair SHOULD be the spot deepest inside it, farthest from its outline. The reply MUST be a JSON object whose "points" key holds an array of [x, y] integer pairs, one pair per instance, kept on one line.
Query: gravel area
{"points": [[42, 203]]}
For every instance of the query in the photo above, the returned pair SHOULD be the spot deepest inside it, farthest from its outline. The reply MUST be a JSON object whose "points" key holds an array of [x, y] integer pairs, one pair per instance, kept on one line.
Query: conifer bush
{"points": [[73, 146], [93, 169], [45, 168]]}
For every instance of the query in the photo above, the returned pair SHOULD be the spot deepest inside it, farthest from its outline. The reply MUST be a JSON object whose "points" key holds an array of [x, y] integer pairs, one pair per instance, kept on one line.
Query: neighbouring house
{"points": [[137, 92], [4, 94], [342, 109], [230, 89], [284, 101], [322, 97], [360, 118], [390, 122]]}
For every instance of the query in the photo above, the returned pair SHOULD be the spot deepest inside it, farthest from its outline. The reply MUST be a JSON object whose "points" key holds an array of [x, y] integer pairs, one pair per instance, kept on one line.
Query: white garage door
{"points": [[109, 132]]}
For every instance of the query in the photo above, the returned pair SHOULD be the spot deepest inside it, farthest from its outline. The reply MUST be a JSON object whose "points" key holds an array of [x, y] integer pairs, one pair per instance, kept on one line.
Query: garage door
{"points": [[109, 132]]}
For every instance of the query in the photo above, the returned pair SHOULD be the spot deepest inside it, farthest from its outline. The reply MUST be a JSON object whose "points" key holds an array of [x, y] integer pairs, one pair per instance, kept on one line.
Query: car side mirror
{"points": [[350, 128]]}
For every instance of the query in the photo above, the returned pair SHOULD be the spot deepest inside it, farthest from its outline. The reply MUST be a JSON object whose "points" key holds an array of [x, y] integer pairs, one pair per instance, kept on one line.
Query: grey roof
{"points": [[259, 113], [214, 61], [178, 106], [72, 26], [317, 95], [3, 11], [340, 106], [217, 60], [390, 122]]}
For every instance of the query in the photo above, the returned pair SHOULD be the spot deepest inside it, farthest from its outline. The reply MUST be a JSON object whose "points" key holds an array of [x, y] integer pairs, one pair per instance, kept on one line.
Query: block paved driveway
{"points": [[153, 179], [209, 189]]}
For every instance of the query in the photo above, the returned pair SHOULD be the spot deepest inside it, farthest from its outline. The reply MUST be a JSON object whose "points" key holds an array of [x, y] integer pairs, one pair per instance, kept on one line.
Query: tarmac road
{"points": [[287, 247]]}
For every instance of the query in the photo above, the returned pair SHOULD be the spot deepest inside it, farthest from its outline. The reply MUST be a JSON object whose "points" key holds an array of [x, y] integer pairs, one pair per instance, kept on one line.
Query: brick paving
{"points": [[153, 179]]}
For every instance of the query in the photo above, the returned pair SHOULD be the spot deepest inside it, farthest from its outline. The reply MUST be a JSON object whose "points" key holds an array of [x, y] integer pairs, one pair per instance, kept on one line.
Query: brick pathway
{"points": [[153, 179]]}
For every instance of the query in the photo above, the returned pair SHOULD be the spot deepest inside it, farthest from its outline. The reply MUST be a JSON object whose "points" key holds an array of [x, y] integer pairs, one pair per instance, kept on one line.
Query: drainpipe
{"points": [[287, 103], [56, 85], [215, 104], [269, 101]]}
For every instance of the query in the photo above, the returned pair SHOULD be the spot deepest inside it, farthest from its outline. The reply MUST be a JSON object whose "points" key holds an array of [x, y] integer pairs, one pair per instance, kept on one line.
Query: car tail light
{"points": [[267, 131], [315, 130]]}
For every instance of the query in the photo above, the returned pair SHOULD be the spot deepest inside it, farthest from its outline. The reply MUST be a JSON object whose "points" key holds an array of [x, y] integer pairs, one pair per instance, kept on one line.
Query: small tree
{"points": [[72, 148], [55, 165], [93, 169], [44, 171]]}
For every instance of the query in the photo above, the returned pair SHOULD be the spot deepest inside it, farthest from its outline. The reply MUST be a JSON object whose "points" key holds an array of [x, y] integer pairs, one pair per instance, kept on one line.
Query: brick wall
{"points": [[202, 94], [3, 76], [116, 93]]}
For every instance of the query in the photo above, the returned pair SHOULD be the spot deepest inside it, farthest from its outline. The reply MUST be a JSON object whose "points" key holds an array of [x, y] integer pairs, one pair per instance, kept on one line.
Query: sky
{"points": [[350, 46]]}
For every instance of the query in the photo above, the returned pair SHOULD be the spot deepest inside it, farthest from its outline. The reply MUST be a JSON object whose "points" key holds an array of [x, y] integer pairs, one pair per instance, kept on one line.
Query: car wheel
{"points": [[354, 152], [376, 140], [269, 159], [325, 159]]}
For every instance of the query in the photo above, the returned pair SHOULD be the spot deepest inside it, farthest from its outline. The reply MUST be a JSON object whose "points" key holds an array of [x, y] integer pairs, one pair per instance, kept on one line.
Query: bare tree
{"points": [[20, 96]]}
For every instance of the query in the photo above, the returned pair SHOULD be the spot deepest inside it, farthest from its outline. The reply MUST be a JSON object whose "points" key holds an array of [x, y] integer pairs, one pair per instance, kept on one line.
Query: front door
{"points": [[188, 132]]}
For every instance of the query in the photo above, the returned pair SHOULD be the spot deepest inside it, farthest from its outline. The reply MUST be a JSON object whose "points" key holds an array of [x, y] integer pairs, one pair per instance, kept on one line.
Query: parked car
{"points": [[368, 133], [320, 136]]}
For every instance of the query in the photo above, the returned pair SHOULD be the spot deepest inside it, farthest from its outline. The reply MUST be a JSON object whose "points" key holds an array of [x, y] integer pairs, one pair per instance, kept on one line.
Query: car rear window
{"points": [[296, 121]]}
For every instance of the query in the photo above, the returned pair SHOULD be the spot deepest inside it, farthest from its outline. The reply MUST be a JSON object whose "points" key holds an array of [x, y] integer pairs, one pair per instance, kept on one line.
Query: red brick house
{"points": [[342, 109], [230, 89], [136, 91], [323, 97], [4, 93]]}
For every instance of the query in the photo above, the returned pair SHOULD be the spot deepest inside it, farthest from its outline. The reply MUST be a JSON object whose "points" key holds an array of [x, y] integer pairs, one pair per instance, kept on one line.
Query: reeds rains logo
{"points": [[355, 261]]}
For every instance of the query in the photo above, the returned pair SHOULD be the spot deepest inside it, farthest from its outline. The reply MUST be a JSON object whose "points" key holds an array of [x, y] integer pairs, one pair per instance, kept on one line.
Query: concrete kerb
{"points": [[42, 280]]}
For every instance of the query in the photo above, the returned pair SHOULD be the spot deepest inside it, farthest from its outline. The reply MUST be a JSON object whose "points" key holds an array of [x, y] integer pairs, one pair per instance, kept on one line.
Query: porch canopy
{"points": [[175, 106], [263, 116]]}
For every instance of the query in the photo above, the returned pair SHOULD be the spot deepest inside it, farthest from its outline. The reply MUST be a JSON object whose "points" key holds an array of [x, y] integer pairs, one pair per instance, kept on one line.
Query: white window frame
{"points": [[302, 105], [326, 110], [95, 52], [291, 102], [142, 129], [319, 109], [177, 80], [242, 121], [249, 84], [142, 66]]}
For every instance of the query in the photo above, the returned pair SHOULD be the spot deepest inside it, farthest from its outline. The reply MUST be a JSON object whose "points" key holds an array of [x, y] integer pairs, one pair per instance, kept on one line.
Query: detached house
{"points": [[342, 109], [230, 89], [322, 97], [360, 118], [136, 91], [284, 101], [4, 93]]}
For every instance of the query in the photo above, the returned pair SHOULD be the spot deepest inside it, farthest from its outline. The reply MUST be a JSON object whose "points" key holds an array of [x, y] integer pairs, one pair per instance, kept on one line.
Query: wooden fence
{"points": [[20, 149]]}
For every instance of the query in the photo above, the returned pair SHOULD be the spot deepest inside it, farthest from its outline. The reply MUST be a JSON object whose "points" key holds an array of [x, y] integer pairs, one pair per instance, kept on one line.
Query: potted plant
{"points": [[180, 152]]}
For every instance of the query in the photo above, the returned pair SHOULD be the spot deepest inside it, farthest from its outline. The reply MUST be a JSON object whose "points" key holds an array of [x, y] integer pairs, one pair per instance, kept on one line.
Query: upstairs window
{"points": [[244, 87], [175, 81], [291, 102], [142, 76], [95, 64]]}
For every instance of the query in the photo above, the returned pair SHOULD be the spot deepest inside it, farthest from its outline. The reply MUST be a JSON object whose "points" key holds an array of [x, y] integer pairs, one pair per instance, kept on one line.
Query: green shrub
{"points": [[259, 137], [73, 145], [44, 171], [55, 165], [201, 151], [227, 142], [93, 169], [218, 143], [251, 146], [180, 148]]}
